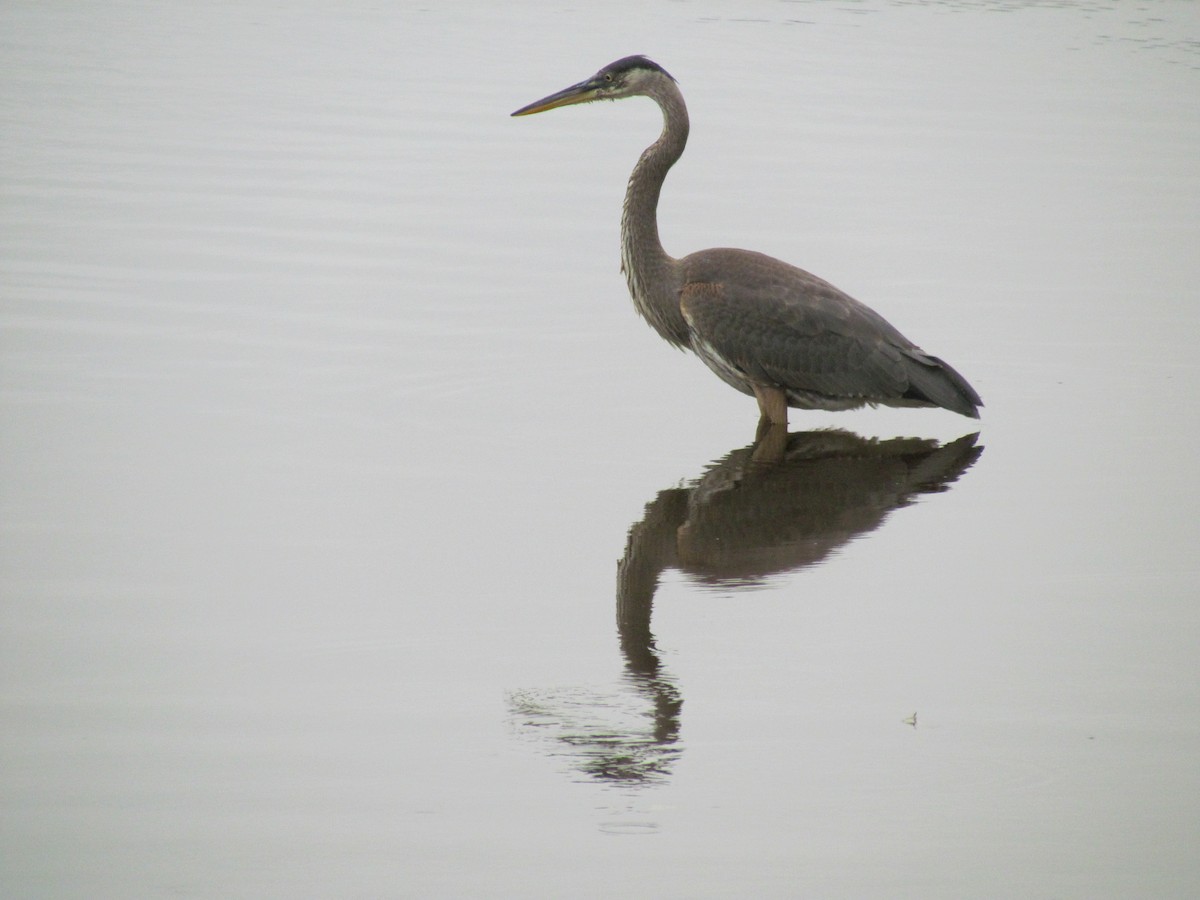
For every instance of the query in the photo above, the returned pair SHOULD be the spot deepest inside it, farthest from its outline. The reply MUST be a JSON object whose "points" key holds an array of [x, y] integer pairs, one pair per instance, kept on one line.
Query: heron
{"points": [[766, 328]]}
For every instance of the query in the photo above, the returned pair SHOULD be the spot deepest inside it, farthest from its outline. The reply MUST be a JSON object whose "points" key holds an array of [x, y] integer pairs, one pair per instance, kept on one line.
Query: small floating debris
{"points": [[911, 720]]}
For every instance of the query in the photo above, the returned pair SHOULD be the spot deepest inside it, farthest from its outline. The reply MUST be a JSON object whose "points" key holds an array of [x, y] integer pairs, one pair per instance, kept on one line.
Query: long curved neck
{"points": [[653, 276]]}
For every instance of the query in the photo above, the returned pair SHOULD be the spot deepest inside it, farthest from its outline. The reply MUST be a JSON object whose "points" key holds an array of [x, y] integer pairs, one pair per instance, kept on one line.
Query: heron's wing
{"points": [[753, 318], [796, 331]]}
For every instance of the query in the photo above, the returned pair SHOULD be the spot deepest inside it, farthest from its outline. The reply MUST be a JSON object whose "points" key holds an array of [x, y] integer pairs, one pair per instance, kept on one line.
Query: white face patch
{"points": [[635, 79]]}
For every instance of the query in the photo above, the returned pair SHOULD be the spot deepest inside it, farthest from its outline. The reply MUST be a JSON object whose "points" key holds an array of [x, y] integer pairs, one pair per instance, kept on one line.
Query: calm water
{"points": [[358, 540]]}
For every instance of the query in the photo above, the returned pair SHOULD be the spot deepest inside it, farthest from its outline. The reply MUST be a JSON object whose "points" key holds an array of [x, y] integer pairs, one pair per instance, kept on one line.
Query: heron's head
{"points": [[629, 77]]}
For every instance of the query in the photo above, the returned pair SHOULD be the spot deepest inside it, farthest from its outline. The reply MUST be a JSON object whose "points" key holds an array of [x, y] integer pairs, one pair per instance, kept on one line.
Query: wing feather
{"points": [[755, 319], [784, 326]]}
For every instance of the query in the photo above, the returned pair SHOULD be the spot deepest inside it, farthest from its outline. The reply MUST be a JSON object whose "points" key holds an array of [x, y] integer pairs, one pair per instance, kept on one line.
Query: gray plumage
{"points": [[767, 328]]}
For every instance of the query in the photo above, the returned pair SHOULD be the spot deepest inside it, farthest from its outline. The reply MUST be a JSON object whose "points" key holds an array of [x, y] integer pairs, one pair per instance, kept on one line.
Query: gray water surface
{"points": [[358, 540]]}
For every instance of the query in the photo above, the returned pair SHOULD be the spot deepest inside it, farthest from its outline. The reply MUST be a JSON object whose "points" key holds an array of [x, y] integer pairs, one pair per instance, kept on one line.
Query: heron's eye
{"points": [[608, 77]]}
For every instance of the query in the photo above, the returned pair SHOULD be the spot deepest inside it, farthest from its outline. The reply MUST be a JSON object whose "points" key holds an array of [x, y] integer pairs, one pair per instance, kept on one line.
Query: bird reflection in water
{"points": [[784, 503]]}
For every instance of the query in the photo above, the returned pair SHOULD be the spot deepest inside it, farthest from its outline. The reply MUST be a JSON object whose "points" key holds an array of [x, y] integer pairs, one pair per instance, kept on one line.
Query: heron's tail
{"points": [[934, 381]]}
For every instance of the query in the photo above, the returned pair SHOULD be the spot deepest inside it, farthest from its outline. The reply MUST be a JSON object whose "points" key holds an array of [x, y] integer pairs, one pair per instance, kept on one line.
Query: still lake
{"points": [[358, 540]]}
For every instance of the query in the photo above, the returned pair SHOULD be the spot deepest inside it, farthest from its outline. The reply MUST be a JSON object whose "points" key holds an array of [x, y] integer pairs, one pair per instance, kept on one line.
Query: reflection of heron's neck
{"points": [[651, 273]]}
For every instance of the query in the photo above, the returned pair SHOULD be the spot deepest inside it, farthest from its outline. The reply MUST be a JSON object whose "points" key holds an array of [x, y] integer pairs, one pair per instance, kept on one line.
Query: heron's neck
{"points": [[651, 273]]}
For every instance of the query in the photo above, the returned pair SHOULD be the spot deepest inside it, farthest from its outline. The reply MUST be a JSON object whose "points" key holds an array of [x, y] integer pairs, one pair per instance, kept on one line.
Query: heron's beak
{"points": [[584, 92]]}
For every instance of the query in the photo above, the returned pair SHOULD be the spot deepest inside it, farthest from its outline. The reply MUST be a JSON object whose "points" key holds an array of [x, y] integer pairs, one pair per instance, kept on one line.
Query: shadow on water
{"points": [[781, 504]]}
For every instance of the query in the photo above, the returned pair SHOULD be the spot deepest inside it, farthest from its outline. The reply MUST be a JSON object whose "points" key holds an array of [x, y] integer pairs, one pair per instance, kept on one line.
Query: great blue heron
{"points": [[767, 328]]}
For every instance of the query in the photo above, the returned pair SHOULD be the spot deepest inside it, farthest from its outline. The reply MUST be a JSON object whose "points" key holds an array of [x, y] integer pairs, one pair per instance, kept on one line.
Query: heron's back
{"points": [[757, 320]]}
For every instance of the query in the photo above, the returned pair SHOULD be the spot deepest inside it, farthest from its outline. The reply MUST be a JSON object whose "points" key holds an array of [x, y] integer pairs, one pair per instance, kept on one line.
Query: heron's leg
{"points": [[772, 404], [770, 442]]}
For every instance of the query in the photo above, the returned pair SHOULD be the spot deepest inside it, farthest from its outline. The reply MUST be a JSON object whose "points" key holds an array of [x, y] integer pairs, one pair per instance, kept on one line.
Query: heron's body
{"points": [[767, 328]]}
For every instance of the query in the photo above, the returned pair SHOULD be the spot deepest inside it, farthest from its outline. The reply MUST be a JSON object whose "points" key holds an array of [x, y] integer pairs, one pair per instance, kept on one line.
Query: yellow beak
{"points": [[584, 92]]}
